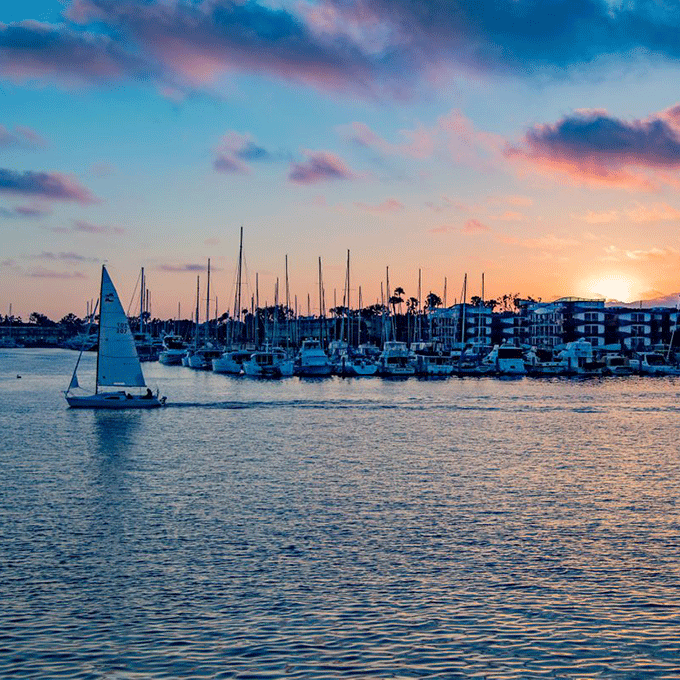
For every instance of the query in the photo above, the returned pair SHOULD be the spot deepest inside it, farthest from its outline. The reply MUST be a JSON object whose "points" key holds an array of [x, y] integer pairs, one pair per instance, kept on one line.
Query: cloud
{"points": [[32, 50], [235, 149], [469, 227], [65, 257], [195, 44], [451, 137], [594, 147], [370, 48], [21, 137], [25, 212], [658, 212], [42, 273], [389, 205], [660, 255], [525, 38], [320, 166], [89, 228], [601, 217], [47, 185], [186, 267], [474, 227]]}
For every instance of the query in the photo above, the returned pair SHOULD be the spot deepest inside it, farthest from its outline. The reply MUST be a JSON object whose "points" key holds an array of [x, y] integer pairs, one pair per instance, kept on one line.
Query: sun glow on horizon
{"points": [[613, 287]]}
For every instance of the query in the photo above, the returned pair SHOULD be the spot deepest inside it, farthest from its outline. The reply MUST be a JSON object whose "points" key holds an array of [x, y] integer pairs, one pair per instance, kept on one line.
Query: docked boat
{"points": [[506, 359], [201, 358], [542, 363], [430, 361], [653, 363], [578, 358], [395, 360], [354, 364], [174, 349], [617, 364], [231, 361], [269, 363], [119, 380], [312, 361]]}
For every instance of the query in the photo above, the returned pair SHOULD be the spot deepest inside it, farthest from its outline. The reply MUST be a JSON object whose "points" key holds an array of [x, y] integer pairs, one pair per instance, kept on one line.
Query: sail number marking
{"points": [[121, 328]]}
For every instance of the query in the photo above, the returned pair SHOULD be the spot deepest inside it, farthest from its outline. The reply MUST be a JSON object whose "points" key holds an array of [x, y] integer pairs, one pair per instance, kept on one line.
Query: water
{"points": [[336, 528]]}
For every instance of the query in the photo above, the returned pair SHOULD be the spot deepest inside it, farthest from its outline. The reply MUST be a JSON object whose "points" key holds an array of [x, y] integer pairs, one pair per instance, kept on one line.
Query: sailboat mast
{"points": [[207, 308], [287, 310], [321, 310], [99, 330], [420, 305], [141, 302], [198, 286], [462, 325], [348, 306], [237, 298]]}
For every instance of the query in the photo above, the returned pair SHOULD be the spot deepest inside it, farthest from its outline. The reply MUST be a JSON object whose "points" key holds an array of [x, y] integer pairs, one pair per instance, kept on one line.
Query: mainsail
{"points": [[118, 363]]}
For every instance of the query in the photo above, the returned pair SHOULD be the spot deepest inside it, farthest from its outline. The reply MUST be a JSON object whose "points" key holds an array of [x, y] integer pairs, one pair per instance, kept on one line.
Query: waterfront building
{"points": [[461, 324]]}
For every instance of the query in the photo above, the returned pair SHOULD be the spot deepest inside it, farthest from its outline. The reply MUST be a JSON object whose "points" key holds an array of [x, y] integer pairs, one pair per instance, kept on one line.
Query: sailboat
{"points": [[117, 361]]}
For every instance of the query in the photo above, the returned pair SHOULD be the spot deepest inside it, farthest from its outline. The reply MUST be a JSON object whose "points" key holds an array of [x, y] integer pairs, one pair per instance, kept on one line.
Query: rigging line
{"points": [[134, 293]]}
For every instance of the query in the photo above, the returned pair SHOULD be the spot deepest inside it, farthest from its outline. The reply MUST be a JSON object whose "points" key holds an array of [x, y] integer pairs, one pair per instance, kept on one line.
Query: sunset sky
{"points": [[537, 141]]}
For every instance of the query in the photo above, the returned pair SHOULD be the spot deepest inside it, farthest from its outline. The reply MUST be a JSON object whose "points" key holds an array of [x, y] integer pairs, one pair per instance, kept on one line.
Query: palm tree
{"points": [[432, 300]]}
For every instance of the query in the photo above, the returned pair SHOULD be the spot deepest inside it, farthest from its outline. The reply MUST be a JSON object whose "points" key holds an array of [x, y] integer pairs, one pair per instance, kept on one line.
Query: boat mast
{"points": [[257, 310], [287, 310], [237, 296], [359, 320], [462, 325], [347, 305], [420, 307], [207, 308], [321, 305], [141, 302], [198, 285], [99, 330]]}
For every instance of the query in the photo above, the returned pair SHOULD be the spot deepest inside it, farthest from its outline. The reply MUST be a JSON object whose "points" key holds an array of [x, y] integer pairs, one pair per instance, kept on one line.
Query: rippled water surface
{"points": [[331, 528]]}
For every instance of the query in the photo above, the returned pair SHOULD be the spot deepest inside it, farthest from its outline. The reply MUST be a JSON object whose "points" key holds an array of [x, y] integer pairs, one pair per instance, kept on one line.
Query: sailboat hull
{"points": [[114, 400]]}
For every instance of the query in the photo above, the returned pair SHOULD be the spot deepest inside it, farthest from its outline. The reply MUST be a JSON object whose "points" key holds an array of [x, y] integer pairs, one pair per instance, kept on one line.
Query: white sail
{"points": [[118, 363]]}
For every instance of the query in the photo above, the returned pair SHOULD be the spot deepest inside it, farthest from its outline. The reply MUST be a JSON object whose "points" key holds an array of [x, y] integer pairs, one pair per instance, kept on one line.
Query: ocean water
{"points": [[337, 528]]}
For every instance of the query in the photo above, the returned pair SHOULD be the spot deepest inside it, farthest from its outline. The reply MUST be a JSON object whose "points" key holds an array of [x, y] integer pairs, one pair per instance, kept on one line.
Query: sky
{"points": [[536, 142]]}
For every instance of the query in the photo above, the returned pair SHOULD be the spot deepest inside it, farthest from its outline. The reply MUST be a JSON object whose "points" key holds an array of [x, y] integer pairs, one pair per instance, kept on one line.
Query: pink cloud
{"points": [[31, 49], [46, 185], [42, 273], [320, 166], [591, 146], [658, 212], [81, 225], [389, 205], [22, 137], [197, 43], [474, 227]]}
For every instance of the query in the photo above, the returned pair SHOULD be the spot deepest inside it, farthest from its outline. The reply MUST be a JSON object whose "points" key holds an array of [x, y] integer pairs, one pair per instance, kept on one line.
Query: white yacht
{"points": [[231, 361], [312, 360], [357, 364], [174, 349], [617, 364], [269, 363], [506, 359], [202, 357], [653, 363], [395, 360], [577, 358], [542, 363], [430, 361]]}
